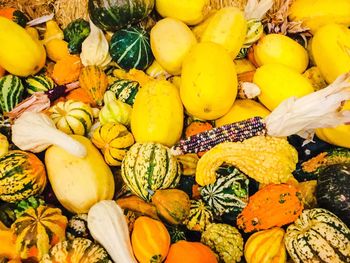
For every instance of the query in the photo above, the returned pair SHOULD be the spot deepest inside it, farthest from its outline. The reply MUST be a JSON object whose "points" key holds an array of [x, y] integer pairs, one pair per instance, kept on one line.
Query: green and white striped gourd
{"points": [[318, 236], [148, 167], [11, 91], [125, 90], [39, 83], [131, 48], [229, 193], [200, 216]]}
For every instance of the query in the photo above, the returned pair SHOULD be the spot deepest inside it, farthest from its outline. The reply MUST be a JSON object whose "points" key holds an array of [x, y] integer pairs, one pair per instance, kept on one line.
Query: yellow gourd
{"points": [[53, 31], [20, 54], [4, 145], [56, 47], [7, 244]]}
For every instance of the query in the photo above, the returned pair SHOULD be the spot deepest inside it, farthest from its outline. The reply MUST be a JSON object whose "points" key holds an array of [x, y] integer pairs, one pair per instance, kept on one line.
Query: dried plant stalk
{"points": [[218, 4], [32, 8], [68, 10]]}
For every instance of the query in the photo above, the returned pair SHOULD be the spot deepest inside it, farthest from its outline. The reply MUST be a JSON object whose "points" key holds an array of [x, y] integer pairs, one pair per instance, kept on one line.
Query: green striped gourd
{"points": [[149, 167], [72, 117], [22, 175], [229, 193], [11, 90], [39, 83], [125, 90], [200, 216], [318, 236], [131, 48]]}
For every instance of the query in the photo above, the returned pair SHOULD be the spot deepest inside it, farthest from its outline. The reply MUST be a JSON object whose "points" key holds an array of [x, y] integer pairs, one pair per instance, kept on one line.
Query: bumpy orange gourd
{"points": [[190, 252], [81, 95], [197, 127], [150, 240], [67, 70], [273, 205]]}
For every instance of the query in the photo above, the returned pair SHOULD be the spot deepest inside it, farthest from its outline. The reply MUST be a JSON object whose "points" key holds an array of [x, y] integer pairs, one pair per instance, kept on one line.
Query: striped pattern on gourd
{"points": [[131, 48], [11, 90], [125, 90], [200, 216], [318, 236], [22, 175], [149, 167], [39, 83]]}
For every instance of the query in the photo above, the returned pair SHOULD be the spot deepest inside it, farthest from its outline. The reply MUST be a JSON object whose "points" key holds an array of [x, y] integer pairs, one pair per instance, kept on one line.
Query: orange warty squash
{"points": [[190, 252], [67, 70], [273, 205], [197, 127], [95, 82], [150, 240]]}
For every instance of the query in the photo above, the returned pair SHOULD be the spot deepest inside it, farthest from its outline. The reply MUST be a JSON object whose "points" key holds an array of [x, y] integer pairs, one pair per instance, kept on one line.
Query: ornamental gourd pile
{"points": [[143, 134]]}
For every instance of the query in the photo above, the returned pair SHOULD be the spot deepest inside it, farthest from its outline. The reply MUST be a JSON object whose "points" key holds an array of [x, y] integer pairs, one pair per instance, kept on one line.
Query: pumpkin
{"points": [[273, 205], [173, 205], [77, 227], [22, 175], [266, 246], [125, 90], [67, 70], [39, 83], [15, 15], [37, 230], [94, 81], [75, 251], [150, 240], [318, 236], [11, 90], [72, 117], [131, 48], [225, 241], [114, 140], [112, 15], [200, 216], [190, 252], [149, 166]]}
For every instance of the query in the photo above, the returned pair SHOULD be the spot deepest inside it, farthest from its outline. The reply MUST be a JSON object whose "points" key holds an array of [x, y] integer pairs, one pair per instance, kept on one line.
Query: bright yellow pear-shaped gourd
{"points": [[208, 81], [228, 28], [190, 12], [242, 110], [316, 13], [171, 40], [280, 49], [278, 82], [330, 49], [77, 182], [20, 54], [157, 114]]}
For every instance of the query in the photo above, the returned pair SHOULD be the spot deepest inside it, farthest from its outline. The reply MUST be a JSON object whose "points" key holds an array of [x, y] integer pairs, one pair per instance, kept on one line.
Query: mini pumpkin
{"points": [[200, 216], [67, 70]]}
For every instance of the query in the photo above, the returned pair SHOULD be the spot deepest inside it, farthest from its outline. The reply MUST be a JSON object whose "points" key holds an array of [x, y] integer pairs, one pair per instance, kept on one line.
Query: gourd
{"points": [[114, 140], [137, 205], [15, 15], [72, 117], [318, 235], [190, 252], [4, 145], [79, 183], [125, 90], [75, 33], [39, 83], [18, 46], [196, 127], [225, 241], [150, 240], [266, 246], [67, 70], [112, 15], [7, 244], [11, 91], [77, 227], [149, 166], [188, 163], [273, 205], [76, 250], [95, 82], [157, 114], [22, 175], [200, 216], [37, 230], [107, 225], [172, 205]]}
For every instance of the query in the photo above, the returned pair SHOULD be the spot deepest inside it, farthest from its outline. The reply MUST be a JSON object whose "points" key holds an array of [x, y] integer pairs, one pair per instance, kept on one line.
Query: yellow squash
{"points": [[157, 114], [208, 81], [20, 54], [330, 49], [77, 182]]}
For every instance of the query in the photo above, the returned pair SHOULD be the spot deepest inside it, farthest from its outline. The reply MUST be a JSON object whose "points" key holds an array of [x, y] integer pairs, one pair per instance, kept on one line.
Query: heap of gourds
{"points": [[142, 135]]}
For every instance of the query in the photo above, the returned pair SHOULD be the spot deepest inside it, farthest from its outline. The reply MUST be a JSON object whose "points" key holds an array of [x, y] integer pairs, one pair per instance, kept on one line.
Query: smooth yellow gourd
{"points": [[208, 81], [228, 28], [77, 182], [157, 114], [330, 49], [278, 82], [20, 54], [171, 40], [280, 49]]}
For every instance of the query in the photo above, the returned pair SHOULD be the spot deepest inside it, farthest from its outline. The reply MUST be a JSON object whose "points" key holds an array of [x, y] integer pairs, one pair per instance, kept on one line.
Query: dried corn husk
{"points": [[68, 10]]}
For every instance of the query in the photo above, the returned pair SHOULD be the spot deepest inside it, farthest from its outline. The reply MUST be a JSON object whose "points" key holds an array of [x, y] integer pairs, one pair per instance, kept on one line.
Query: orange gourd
{"points": [[67, 70], [7, 244], [273, 205], [150, 240], [80, 94], [197, 127], [190, 252], [2, 72]]}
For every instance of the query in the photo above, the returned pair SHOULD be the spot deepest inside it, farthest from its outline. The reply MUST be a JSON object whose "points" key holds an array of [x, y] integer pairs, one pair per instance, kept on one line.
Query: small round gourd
{"points": [[39, 83], [200, 216], [125, 90]]}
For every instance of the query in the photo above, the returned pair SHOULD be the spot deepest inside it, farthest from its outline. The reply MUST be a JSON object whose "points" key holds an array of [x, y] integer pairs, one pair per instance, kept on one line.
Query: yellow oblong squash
{"points": [[20, 54], [77, 182], [157, 114]]}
